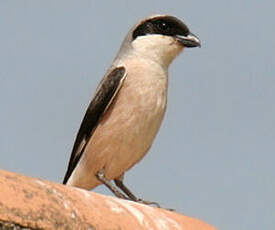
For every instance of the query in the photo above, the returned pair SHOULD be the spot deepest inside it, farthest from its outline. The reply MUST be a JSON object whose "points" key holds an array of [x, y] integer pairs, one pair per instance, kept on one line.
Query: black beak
{"points": [[189, 41]]}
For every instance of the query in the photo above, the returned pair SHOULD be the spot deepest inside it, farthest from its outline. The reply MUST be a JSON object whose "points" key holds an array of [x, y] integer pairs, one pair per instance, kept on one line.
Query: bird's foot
{"points": [[154, 204], [150, 203]]}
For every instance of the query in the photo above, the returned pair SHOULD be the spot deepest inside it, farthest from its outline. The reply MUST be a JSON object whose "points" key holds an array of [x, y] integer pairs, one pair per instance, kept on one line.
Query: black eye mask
{"points": [[167, 25]]}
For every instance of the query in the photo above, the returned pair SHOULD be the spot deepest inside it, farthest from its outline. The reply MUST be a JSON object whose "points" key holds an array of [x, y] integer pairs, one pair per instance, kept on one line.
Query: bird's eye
{"points": [[163, 26]]}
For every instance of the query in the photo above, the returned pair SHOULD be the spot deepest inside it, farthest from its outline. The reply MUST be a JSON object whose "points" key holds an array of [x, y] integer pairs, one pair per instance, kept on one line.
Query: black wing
{"points": [[105, 94]]}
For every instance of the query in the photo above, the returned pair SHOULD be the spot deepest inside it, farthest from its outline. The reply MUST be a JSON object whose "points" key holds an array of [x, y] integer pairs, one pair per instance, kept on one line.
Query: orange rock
{"points": [[39, 204]]}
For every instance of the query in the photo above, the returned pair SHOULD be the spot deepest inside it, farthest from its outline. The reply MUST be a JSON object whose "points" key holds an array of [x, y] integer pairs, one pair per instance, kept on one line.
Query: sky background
{"points": [[214, 156]]}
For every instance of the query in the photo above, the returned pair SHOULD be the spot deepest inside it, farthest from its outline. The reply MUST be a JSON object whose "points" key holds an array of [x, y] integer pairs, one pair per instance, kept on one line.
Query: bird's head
{"points": [[160, 38]]}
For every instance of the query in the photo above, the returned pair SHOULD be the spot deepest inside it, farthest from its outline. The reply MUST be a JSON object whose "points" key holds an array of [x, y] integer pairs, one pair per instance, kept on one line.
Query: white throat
{"points": [[158, 48]]}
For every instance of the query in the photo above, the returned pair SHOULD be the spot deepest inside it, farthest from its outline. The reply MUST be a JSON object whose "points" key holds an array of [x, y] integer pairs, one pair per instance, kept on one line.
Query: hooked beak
{"points": [[189, 41]]}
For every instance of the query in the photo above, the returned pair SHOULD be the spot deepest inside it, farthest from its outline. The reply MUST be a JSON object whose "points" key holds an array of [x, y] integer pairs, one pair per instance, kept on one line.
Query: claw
{"points": [[148, 202]]}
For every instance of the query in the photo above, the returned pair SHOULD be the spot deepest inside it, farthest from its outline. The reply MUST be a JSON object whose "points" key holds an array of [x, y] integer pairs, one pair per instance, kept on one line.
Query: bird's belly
{"points": [[128, 128]]}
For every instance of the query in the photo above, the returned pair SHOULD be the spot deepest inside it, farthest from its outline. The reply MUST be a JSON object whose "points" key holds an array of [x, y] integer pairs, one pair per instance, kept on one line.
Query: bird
{"points": [[125, 114]]}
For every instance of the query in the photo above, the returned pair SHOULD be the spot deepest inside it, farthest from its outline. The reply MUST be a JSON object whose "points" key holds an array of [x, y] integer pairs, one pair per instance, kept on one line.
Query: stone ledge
{"points": [[31, 203]]}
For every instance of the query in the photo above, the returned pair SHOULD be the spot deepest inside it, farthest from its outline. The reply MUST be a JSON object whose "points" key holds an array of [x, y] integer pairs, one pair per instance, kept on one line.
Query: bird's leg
{"points": [[120, 184], [131, 196], [101, 177]]}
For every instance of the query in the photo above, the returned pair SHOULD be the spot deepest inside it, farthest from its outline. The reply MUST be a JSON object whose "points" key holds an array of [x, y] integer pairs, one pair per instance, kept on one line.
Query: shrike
{"points": [[127, 109]]}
